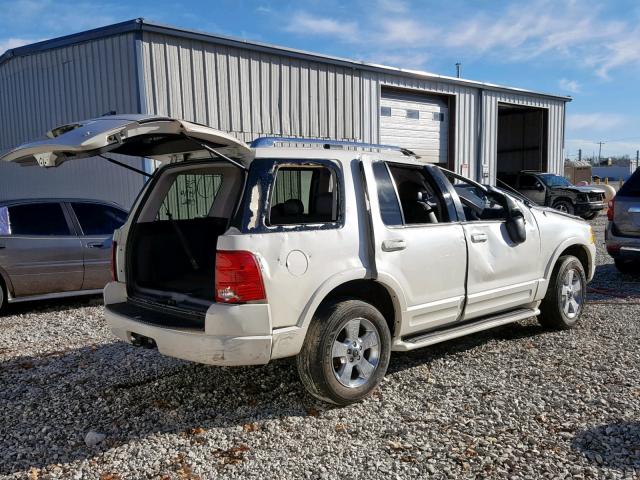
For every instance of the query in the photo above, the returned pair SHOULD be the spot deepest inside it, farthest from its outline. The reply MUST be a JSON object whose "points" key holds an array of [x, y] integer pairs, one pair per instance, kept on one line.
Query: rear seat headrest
{"points": [[293, 206]]}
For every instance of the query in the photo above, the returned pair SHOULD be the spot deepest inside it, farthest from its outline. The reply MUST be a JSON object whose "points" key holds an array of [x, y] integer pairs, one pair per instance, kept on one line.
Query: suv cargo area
{"points": [[173, 241]]}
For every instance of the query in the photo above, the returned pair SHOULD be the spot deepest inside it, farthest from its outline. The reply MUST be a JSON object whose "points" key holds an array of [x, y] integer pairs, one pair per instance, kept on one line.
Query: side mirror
{"points": [[515, 222], [516, 227], [539, 187]]}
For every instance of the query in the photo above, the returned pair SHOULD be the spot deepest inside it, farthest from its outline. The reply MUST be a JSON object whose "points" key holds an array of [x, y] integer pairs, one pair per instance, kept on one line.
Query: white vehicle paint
{"points": [[346, 241]]}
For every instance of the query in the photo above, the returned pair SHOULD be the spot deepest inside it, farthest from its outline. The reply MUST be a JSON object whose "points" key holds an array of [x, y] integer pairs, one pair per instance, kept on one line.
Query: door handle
{"points": [[95, 245], [478, 237], [393, 245]]}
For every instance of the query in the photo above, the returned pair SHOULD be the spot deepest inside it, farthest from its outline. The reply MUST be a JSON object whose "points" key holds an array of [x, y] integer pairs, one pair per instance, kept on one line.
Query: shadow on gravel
{"points": [[50, 402], [406, 360], [616, 445]]}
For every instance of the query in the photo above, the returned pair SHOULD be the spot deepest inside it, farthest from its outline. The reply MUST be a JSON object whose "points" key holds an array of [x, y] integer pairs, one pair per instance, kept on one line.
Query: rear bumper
{"points": [[232, 334], [621, 247]]}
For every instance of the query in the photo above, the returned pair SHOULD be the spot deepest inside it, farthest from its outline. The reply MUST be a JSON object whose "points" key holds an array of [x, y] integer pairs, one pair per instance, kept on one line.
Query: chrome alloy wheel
{"points": [[356, 352], [571, 297]]}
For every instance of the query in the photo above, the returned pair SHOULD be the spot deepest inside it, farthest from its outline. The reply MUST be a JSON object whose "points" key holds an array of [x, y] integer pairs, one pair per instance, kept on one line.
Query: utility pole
{"points": [[579, 155], [458, 69], [637, 159], [600, 153]]}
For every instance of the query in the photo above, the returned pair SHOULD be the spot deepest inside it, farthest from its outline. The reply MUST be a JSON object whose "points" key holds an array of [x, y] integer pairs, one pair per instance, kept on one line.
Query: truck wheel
{"points": [[563, 304], [345, 353], [626, 266], [591, 216], [564, 206]]}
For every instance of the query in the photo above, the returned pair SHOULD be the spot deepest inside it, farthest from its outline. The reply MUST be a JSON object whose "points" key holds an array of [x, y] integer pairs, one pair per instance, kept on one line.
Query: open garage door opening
{"points": [[522, 139], [418, 122]]}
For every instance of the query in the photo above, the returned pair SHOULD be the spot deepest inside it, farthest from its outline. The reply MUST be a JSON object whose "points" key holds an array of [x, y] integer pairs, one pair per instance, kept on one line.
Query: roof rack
{"points": [[266, 142]]}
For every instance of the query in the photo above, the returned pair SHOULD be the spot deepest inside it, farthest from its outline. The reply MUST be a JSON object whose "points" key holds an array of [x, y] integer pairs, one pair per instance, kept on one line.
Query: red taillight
{"points": [[114, 271], [611, 208], [238, 278]]}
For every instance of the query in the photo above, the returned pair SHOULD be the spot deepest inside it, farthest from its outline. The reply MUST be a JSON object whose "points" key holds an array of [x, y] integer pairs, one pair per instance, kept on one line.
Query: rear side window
{"points": [[191, 196], [40, 219], [631, 188], [96, 219], [303, 195], [415, 189]]}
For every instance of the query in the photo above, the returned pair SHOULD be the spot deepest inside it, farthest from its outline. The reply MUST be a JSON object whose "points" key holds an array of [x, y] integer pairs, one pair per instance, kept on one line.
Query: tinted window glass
{"points": [[191, 196], [631, 188], [38, 219], [528, 181], [98, 219], [304, 195], [389, 206]]}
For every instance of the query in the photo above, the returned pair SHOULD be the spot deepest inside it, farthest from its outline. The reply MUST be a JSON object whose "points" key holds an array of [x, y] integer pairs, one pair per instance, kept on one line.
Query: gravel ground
{"points": [[514, 402]]}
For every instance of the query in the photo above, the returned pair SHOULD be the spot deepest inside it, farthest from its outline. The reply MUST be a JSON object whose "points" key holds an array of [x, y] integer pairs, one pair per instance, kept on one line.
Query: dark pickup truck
{"points": [[554, 191]]}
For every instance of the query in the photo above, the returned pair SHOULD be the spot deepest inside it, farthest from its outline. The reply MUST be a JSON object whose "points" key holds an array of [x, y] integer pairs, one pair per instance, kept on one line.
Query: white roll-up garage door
{"points": [[417, 122]]}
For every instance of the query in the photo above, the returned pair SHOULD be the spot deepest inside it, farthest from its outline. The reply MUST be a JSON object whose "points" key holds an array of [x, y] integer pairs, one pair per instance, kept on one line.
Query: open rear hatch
{"points": [[172, 239], [160, 138]]}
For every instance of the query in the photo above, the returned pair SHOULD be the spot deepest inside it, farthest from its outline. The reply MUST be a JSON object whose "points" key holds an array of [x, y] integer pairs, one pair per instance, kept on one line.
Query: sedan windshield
{"points": [[551, 180]]}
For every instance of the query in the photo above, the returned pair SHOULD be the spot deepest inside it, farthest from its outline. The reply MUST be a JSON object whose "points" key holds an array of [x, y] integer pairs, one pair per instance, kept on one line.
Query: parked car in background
{"points": [[557, 192], [334, 252], [622, 235], [55, 247]]}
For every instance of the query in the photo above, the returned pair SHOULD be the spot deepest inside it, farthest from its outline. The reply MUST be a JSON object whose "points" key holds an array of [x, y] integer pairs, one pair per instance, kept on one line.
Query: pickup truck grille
{"points": [[596, 197]]}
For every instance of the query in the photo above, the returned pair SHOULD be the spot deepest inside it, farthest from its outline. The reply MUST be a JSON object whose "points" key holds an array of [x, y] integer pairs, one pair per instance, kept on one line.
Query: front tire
{"points": [[564, 206], [345, 353], [562, 306], [591, 216]]}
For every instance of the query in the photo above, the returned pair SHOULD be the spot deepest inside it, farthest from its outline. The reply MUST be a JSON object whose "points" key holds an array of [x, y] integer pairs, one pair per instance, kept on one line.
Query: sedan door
{"points": [[96, 222], [41, 253]]}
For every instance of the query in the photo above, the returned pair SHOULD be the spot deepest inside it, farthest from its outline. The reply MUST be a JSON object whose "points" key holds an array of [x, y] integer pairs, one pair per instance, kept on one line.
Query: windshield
{"points": [[551, 180]]}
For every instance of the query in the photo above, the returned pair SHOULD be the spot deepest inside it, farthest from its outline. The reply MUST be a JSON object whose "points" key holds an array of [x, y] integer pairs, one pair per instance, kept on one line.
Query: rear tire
{"points": [[563, 304], [627, 266], [564, 206], [345, 353]]}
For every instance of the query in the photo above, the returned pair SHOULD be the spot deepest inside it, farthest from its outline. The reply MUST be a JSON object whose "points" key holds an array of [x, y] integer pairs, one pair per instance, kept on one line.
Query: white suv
{"points": [[335, 252]]}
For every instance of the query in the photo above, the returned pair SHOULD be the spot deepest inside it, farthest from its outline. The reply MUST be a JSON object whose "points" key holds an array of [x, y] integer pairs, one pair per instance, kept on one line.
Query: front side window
{"points": [[529, 182], [479, 204], [38, 219], [96, 219], [302, 195], [190, 196]]}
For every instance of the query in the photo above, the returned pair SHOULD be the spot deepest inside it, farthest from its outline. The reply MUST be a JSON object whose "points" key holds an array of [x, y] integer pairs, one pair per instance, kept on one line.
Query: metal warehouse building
{"points": [[251, 89]]}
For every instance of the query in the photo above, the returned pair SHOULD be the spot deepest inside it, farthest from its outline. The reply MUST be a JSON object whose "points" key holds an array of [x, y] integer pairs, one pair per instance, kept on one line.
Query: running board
{"points": [[466, 329]]}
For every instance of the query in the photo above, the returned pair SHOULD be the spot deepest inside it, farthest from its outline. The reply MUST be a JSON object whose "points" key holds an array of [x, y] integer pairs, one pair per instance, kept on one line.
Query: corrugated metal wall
{"points": [[250, 94], [555, 130], [54, 87]]}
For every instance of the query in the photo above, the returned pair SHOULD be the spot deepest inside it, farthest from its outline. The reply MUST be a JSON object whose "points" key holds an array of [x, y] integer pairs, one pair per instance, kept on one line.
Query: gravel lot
{"points": [[513, 402]]}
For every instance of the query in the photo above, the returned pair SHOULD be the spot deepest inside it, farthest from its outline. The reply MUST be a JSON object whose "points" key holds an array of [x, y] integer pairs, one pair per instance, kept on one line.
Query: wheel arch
{"points": [[573, 247]]}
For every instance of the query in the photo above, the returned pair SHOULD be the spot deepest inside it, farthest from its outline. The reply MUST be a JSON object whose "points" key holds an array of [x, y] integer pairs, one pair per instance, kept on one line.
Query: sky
{"points": [[588, 50]]}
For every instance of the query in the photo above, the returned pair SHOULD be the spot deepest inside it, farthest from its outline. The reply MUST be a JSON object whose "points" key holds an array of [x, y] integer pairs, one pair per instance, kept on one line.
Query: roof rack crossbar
{"points": [[266, 142]]}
